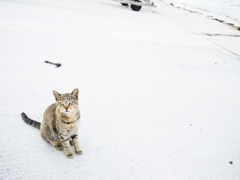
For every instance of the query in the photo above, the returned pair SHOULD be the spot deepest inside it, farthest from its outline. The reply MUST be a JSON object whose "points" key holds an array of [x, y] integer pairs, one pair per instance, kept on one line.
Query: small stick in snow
{"points": [[56, 64]]}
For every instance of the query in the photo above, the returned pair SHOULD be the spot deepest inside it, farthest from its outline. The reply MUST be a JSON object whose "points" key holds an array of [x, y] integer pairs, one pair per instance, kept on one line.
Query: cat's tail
{"points": [[30, 121]]}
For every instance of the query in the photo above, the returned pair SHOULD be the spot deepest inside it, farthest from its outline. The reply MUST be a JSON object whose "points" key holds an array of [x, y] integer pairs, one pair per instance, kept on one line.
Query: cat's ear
{"points": [[75, 93], [56, 94]]}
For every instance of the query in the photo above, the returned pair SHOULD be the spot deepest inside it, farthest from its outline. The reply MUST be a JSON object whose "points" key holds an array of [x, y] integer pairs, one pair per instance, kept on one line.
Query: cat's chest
{"points": [[69, 129], [68, 123]]}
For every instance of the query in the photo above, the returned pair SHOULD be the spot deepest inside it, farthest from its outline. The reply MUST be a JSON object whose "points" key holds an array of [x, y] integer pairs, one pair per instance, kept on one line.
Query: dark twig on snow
{"points": [[56, 64]]}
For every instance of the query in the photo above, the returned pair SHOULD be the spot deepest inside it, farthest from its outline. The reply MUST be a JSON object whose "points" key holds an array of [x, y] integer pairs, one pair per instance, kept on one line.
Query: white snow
{"points": [[227, 10], [159, 99]]}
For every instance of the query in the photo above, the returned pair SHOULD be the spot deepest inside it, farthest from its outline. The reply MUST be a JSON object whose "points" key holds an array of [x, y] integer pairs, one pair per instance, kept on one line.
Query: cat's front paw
{"points": [[70, 155], [79, 152]]}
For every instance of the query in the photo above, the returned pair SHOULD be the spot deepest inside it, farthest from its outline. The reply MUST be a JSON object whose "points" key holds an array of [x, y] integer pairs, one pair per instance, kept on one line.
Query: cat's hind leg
{"points": [[44, 138], [58, 145]]}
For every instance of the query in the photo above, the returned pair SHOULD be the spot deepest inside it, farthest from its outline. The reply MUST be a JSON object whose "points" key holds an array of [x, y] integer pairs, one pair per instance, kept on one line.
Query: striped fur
{"points": [[29, 121]]}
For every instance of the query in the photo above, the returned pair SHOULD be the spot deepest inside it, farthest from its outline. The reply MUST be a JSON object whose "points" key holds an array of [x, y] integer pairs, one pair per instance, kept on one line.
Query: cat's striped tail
{"points": [[30, 121]]}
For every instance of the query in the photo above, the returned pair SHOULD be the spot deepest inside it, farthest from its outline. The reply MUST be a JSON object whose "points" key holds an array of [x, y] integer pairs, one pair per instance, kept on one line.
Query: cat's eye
{"points": [[70, 102], [61, 103]]}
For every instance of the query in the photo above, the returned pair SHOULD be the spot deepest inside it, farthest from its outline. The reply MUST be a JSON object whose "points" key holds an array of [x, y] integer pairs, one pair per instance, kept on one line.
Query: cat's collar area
{"points": [[65, 122]]}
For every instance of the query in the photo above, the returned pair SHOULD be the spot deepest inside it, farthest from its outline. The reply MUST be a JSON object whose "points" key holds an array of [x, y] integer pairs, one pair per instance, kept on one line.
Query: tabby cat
{"points": [[60, 123]]}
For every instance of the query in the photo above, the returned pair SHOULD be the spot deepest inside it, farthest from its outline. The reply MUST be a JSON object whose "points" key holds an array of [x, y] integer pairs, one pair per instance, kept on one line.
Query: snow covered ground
{"points": [[159, 97], [223, 9]]}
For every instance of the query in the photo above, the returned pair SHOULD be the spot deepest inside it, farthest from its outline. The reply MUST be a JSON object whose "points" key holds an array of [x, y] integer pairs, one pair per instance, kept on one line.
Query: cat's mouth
{"points": [[67, 111]]}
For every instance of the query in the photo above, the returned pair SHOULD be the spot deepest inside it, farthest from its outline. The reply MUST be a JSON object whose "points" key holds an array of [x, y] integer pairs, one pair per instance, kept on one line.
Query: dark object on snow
{"points": [[124, 4], [136, 7], [230, 162], [56, 64]]}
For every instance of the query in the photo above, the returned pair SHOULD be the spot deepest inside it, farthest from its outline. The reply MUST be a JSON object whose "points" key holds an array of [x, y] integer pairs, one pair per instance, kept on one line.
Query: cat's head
{"points": [[68, 102]]}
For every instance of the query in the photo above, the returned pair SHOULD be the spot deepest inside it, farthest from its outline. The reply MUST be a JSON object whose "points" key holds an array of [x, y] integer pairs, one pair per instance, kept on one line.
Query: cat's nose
{"points": [[66, 107]]}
